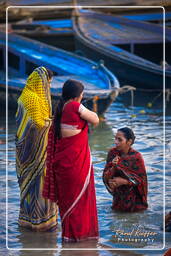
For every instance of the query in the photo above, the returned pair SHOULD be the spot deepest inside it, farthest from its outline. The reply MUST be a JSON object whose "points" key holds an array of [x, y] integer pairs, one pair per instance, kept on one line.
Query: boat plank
{"points": [[100, 36], [117, 33], [26, 54]]}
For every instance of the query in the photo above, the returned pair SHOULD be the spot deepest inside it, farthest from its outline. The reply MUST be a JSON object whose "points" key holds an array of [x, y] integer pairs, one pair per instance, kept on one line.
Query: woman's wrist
{"points": [[129, 183]]}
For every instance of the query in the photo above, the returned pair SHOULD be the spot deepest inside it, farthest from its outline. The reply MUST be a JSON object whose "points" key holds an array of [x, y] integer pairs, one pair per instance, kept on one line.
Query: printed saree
{"points": [[70, 183], [132, 197], [33, 121]]}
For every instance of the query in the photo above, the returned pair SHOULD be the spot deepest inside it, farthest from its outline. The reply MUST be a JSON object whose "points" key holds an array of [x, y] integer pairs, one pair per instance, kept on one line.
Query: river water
{"points": [[147, 124]]}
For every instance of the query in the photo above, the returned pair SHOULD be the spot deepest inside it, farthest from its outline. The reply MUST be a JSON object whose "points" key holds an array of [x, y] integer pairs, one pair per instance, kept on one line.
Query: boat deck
{"points": [[56, 24], [48, 27], [118, 30], [56, 84], [63, 63], [16, 82], [108, 40], [149, 16]]}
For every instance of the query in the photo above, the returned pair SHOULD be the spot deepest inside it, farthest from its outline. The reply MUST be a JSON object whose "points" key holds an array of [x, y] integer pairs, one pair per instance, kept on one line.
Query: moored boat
{"points": [[101, 86], [154, 17], [56, 32], [133, 49]]}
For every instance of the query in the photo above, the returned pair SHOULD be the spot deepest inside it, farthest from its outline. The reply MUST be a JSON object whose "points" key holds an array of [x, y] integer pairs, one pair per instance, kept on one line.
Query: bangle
{"points": [[129, 183]]}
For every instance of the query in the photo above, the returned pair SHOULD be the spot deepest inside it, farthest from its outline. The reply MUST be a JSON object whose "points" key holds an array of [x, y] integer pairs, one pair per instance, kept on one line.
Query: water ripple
{"points": [[148, 128]]}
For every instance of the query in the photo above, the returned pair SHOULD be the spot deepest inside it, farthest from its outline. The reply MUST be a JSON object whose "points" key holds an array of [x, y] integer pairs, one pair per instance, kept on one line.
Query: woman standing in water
{"points": [[33, 122], [70, 180], [125, 175]]}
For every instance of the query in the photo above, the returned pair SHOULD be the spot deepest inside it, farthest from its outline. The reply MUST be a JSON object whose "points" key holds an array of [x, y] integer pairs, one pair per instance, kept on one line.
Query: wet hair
{"points": [[49, 73], [71, 89], [128, 133]]}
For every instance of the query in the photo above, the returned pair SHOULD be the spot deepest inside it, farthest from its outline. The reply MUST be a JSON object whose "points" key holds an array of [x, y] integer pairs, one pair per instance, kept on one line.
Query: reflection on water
{"points": [[148, 127], [38, 240]]}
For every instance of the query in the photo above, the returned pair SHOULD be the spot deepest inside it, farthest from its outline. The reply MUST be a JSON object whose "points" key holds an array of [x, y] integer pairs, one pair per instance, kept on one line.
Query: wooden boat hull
{"points": [[129, 68], [62, 40], [57, 33], [98, 103], [128, 74], [101, 86], [156, 17]]}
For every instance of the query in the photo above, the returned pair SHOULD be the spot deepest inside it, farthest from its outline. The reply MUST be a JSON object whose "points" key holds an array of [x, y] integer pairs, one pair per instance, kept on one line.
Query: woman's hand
{"points": [[112, 184], [48, 122], [116, 182], [115, 160], [107, 175]]}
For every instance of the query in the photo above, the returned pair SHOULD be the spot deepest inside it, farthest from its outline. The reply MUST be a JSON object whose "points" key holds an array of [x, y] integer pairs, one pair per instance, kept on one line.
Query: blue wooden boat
{"points": [[25, 54], [132, 49], [57, 26], [17, 14], [150, 17], [57, 33]]}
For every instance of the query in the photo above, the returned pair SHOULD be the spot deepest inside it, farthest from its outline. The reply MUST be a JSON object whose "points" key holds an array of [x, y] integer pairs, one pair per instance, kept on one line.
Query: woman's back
{"points": [[71, 121]]}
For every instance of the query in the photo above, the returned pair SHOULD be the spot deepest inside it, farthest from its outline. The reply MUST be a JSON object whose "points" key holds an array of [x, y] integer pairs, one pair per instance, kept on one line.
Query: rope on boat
{"points": [[124, 89], [127, 88], [155, 98], [167, 96], [121, 90]]}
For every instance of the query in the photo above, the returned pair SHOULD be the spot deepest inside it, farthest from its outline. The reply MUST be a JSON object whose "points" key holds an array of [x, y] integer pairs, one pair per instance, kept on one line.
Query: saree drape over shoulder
{"points": [[132, 197], [33, 121], [70, 183]]}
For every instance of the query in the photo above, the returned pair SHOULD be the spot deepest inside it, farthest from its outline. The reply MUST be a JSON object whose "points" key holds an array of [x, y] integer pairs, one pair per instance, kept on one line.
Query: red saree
{"points": [[70, 182], [132, 197]]}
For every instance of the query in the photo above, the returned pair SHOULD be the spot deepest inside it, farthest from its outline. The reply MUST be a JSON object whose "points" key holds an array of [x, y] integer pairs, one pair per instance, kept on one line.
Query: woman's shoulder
{"points": [[113, 151], [135, 153], [74, 105]]}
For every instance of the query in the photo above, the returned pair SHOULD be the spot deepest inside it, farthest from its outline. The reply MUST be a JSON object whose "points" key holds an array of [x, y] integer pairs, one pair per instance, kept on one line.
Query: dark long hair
{"points": [[128, 134], [71, 89]]}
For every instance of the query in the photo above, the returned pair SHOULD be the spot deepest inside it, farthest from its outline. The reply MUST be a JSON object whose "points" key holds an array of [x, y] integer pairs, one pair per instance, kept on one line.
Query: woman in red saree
{"points": [[69, 179], [125, 175]]}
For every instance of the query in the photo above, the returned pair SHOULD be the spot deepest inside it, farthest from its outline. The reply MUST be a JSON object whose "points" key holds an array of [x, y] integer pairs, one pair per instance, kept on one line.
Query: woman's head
{"points": [[40, 77], [36, 96], [72, 89], [124, 138]]}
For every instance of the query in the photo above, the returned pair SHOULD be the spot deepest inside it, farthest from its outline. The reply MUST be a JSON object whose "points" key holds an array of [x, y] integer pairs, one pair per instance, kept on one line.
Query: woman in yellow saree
{"points": [[33, 120]]}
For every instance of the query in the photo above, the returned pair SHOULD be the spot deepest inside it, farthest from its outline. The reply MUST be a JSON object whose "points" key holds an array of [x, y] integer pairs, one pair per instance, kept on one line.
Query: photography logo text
{"points": [[136, 234]]}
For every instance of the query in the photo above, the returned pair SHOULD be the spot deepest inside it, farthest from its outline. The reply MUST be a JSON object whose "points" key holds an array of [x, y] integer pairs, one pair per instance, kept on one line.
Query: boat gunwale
{"points": [[125, 59], [87, 93], [68, 54], [146, 25]]}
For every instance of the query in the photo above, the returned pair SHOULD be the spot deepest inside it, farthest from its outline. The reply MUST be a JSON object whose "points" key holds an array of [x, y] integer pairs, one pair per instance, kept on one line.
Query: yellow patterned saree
{"points": [[33, 121]]}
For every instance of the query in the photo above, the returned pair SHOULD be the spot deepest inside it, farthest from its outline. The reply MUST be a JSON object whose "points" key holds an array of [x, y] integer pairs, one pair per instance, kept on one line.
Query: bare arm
{"points": [[90, 116]]}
